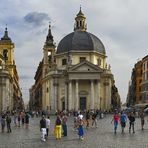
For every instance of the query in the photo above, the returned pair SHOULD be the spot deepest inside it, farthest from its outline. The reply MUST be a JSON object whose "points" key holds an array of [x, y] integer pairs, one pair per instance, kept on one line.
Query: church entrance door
{"points": [[82, 103], [63, 105]]}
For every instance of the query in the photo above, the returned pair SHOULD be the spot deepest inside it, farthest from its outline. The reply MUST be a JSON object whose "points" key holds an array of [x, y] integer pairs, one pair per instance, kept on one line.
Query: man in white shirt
{"points": [[80, 116], [47, 125]]}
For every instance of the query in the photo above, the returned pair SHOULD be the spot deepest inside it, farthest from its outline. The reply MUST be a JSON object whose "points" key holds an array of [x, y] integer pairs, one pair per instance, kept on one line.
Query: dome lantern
{"points": [[80, 22]]}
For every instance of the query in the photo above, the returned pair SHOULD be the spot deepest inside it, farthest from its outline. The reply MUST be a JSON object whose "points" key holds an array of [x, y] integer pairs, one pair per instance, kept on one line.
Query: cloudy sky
{"points": [[122, 26]]}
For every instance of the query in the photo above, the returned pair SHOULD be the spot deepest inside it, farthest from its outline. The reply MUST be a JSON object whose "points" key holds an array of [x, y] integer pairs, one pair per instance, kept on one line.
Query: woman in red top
{"points": [[116, 120]]}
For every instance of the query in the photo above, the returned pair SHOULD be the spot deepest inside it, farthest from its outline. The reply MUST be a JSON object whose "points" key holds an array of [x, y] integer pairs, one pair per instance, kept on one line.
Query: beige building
{"points": [[10, 92], [144, 84], [6, 92], [75, 75]]}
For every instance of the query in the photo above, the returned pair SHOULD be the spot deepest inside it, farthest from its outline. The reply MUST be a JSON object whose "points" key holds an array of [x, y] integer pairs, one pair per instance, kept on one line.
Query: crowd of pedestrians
{"points": [[123, 118], [19, 118], [82, 120]]}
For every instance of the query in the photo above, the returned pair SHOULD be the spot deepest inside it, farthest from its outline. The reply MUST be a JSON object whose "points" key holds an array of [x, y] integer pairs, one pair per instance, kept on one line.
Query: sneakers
{"points": [[43, 140], [81, 138]]}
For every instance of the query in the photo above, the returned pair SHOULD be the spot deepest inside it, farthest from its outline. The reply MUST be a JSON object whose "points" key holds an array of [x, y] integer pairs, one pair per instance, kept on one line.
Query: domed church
{"points": [[75, 75]]}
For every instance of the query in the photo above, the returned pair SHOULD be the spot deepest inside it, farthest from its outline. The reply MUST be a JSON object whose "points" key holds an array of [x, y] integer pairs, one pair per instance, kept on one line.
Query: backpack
{"points": [[58, 122]]}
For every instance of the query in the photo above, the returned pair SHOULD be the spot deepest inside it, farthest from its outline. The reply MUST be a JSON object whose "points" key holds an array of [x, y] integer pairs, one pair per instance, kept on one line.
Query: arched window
{"points": [[80, 23], [5, 54]]}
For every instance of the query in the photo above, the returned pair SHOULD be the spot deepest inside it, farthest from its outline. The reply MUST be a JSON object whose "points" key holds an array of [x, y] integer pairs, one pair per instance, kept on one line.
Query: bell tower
{"points": [[7, 50], [48, 52], [80, 22]]}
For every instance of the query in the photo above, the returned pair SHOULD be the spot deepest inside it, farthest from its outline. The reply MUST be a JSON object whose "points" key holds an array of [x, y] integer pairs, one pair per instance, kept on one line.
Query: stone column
{"points": [[106, 85], [66, 95], [98, 94], [92, 95], [52, 105], [77, 95], [55, 95], [70, 95], [109, 96]]}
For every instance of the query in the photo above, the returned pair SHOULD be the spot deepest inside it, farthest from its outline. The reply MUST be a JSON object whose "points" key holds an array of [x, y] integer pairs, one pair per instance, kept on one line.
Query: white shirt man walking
{"points": [[47, 125]]}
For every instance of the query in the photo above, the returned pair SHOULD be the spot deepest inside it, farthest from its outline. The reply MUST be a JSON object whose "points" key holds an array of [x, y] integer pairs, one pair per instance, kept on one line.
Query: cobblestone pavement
{"points": [[101, 137]]}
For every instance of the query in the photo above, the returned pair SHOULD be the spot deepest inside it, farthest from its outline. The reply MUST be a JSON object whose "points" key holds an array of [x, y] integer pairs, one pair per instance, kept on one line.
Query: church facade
{"points": [[75, 76]]}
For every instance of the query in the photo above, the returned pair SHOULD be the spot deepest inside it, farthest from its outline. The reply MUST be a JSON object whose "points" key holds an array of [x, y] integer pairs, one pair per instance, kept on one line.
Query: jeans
{"points": [[8, 127], [115, 125], [64, 130], [131, 125], [94, 121]]}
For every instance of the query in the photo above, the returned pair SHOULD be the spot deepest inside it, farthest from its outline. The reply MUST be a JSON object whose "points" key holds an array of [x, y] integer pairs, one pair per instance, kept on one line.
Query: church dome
{"points": [[80, 41]]}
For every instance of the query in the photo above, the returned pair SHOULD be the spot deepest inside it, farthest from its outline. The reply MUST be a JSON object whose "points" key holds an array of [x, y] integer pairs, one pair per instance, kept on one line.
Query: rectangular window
{"points": [[82, 59], [64, 61], [143, 66], [99, 62]]}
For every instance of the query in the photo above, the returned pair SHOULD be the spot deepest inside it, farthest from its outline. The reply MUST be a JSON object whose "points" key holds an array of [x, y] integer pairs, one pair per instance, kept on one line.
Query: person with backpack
{"points": [[57, 129], [123, 120]]}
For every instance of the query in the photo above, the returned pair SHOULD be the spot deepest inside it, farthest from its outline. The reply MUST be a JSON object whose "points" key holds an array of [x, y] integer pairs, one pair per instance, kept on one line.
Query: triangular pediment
{"points": [[85, 66]]}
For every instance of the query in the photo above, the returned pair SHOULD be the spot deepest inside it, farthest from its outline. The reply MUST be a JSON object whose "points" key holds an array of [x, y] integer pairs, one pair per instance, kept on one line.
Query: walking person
{"points": [[19, 119], [64, 124], [94, 119], [47, 125], [27, 116], [3, 123], [131, 118], [43, 128], [75, 123], [116, 120], [123, 120], [87, 119], [15, 119], [23, 117], [8, 121], [142, 119], [57, 129], [81, 129]]}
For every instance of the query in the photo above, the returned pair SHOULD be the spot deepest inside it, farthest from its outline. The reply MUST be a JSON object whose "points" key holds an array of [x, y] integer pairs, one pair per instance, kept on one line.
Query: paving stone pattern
{"points": [[101, 137]]}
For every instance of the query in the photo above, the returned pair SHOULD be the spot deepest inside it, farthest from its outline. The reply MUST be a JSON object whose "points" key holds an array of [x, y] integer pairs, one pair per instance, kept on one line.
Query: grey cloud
{"points": [[36, 18]]}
